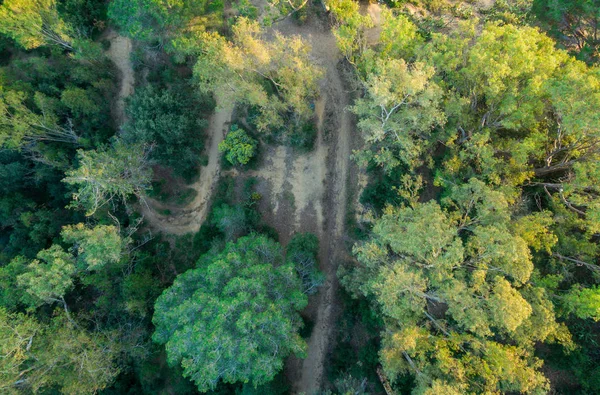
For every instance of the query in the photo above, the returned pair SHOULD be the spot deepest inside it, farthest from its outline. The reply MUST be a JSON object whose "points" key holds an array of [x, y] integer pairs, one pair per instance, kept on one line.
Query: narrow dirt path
{"points": [[181, 220], [120, 52], [188, 219]]}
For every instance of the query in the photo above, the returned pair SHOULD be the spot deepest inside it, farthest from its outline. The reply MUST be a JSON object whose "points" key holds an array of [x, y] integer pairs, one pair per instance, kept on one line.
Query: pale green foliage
{"points": [[399, 112], [510, 65], [79, 101], [514, 79], [457, 281], [238, 71], [94, 247], [33, 23], [60, 355], [105, 174], [17, 332], [584, 302], [20, 127], [234, 318], [399, 37], [534, 229], [238, 146], [351, 27], [508, 308], [50, 276]]}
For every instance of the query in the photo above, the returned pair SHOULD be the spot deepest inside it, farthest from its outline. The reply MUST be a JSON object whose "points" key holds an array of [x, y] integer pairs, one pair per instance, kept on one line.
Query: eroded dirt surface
{"points": [[120, 52], [323, 203]]}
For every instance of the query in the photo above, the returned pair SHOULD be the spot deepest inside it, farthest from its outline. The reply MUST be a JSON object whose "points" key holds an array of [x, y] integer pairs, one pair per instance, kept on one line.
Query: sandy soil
{"points": [[119, 52], [374, 11]]}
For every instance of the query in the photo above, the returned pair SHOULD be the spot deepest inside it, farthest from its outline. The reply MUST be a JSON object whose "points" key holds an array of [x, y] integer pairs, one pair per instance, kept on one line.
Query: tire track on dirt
{"points": [[335, 129]]}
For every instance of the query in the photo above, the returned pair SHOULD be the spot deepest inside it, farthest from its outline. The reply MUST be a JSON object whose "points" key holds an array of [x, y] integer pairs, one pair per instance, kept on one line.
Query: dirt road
{"points": [[329, 195]]}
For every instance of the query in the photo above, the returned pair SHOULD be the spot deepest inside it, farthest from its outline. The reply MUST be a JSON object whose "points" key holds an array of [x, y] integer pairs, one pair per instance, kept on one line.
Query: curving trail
{"points": [[182, 219], [189, 218]]}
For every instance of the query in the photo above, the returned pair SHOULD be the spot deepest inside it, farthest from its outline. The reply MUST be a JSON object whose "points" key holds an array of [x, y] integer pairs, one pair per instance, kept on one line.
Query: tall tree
{"points": [[22, 128], [575, 23], [94, 247], [104, 175], [56, 355], [234, 318], [33, 23], [398, 113], [457, 281], [277, 76], [49, 277]]}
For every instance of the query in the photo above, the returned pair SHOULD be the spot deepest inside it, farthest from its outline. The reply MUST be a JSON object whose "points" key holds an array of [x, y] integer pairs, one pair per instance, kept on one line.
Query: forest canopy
{"points": [[321, 197]]}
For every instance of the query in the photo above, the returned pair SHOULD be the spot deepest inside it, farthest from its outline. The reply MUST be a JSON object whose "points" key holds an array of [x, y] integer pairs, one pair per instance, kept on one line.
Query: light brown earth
{"points": [[119, 52], [329, 163]]}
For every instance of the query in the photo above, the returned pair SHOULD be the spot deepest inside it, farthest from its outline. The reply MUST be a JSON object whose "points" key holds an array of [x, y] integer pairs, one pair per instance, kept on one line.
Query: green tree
{"points": [[33, 23], [238, 146], [94, 247], [75, 360], [276, 76], [398, 113], [457, 281], [584, 302], [234, 318], [20, 127], [17, 333], [110, 173], [57, 355], [574, 22], [232, 221], [302, 252], [350, 31], [49, 277], [169, 119]]}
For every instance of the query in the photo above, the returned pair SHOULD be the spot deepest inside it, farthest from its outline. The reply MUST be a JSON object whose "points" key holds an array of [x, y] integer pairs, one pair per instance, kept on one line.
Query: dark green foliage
{"points": [[574, 23], [302, 252], [303, 137], [239, 307], [172, 120], [148, 20], [62, 94], [381, 190], [88, 17], [357, 343]]}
